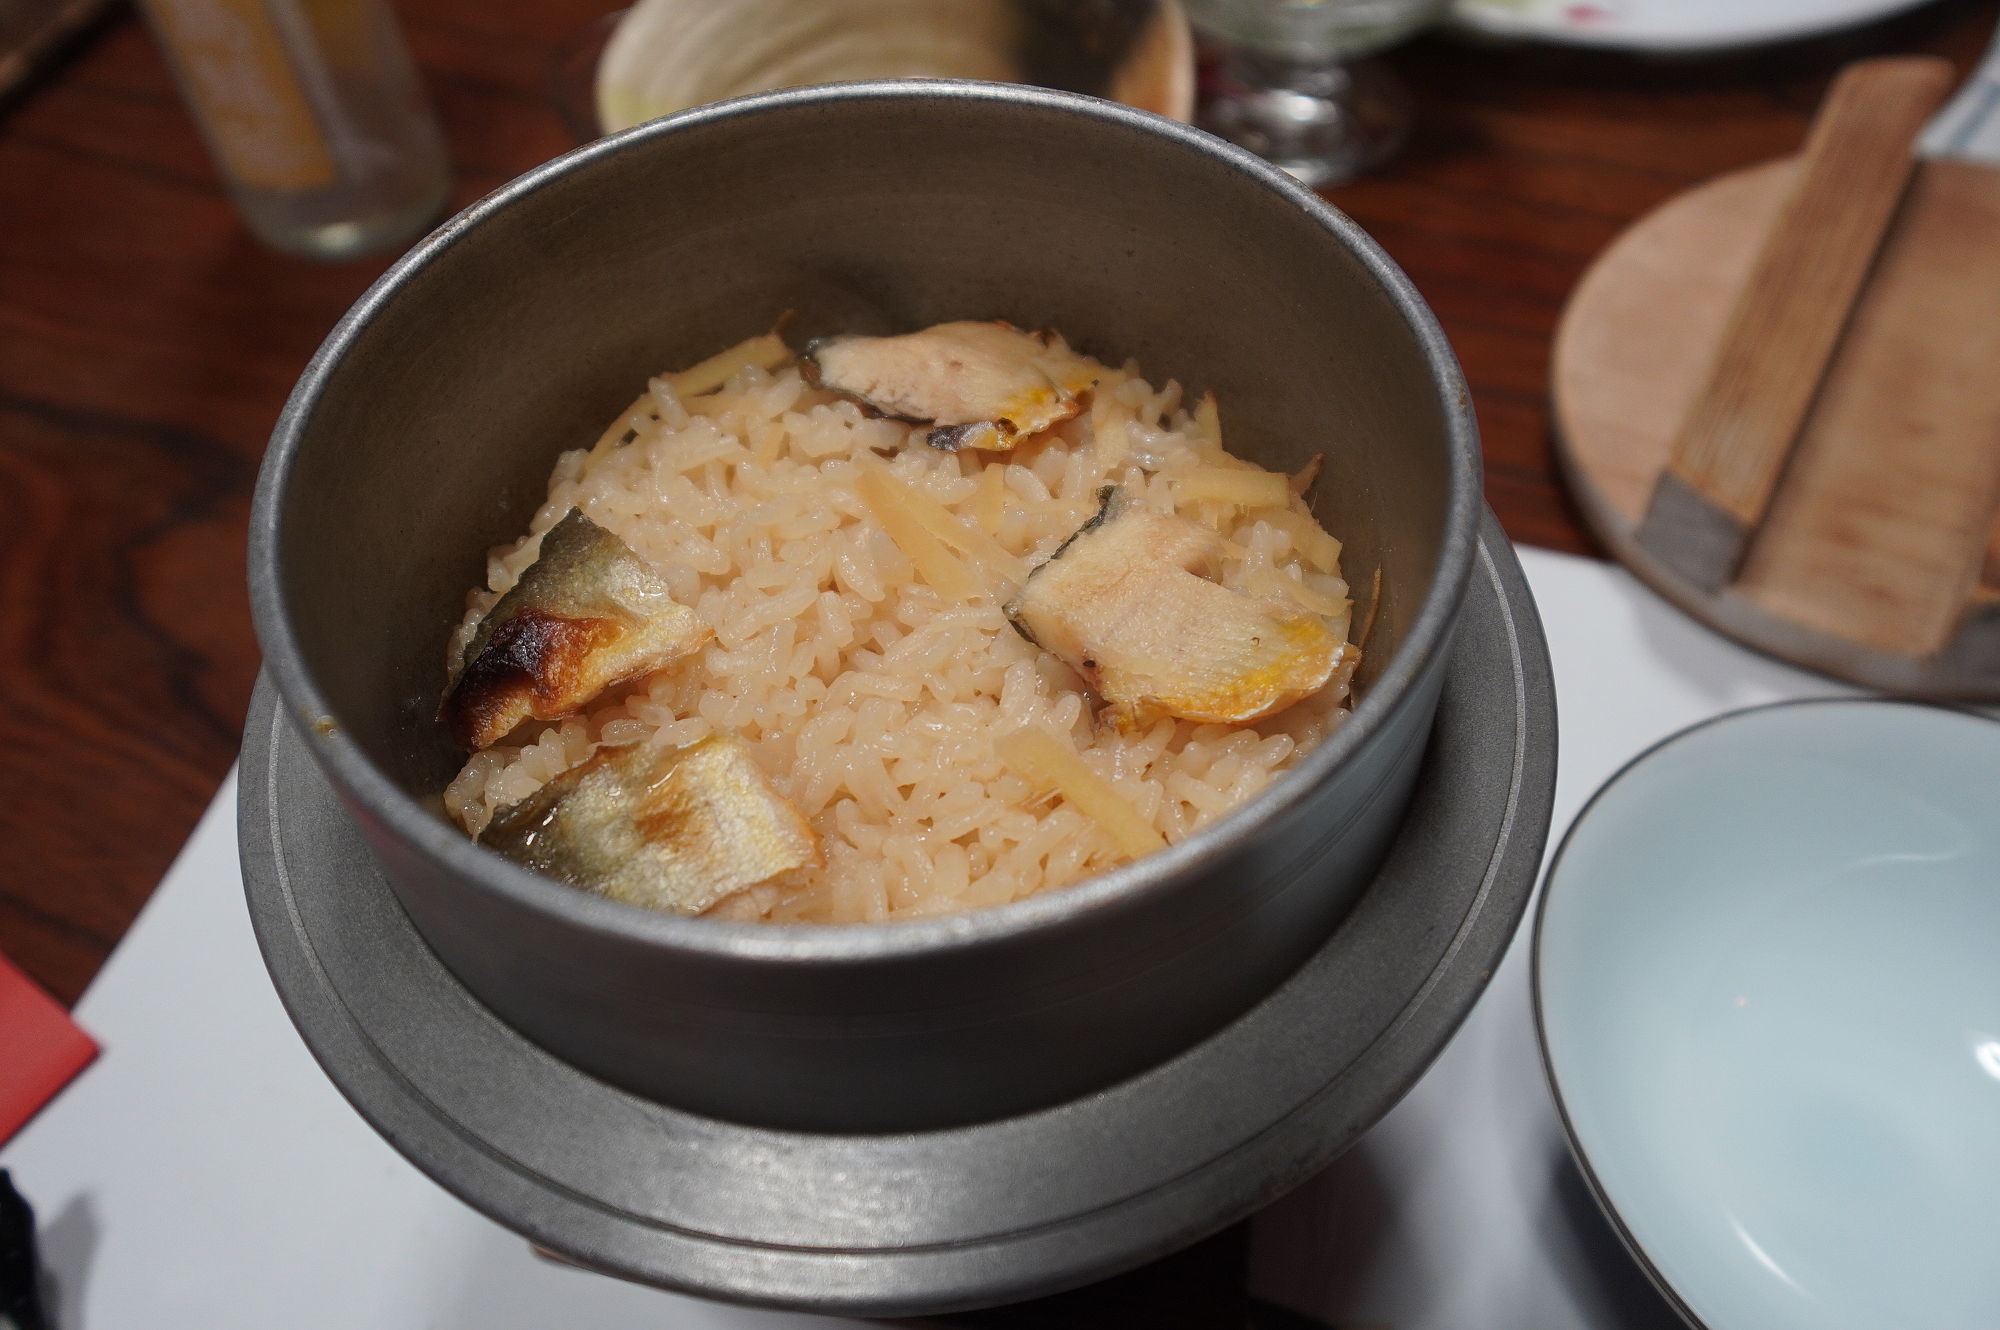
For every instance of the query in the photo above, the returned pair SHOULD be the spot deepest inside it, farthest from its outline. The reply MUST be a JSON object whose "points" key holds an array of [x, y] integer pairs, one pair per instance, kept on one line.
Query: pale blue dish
{"points": [[1767, 978]]}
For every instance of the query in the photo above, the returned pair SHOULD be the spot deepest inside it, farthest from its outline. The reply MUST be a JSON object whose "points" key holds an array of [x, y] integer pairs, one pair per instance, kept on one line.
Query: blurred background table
{"points": [[147, 344]]}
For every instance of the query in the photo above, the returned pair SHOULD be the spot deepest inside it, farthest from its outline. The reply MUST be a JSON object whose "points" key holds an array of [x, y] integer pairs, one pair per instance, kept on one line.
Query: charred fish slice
{"points": [[676, 830], [586, 614], [1122, 604], [982, 385]]}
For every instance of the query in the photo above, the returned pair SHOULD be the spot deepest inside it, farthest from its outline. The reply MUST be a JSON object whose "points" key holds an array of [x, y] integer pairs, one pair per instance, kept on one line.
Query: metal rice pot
{"points": [[425, 429]]}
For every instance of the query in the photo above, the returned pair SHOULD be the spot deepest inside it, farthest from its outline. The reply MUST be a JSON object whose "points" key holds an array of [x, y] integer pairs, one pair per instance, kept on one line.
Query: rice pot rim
{"points": [[432, 835]]}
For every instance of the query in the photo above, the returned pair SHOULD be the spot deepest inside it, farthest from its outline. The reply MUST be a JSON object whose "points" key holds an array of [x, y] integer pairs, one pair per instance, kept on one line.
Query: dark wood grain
{"points": [[146, 345]]}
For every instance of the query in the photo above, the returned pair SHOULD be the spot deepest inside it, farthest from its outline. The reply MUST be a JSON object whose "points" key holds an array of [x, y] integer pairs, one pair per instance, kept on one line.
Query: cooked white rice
{"points": [[873, 703]]}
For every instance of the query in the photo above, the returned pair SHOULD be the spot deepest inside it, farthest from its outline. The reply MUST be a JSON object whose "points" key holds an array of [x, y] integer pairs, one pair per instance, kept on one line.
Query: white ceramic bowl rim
{"points": [[1679, 1300]]}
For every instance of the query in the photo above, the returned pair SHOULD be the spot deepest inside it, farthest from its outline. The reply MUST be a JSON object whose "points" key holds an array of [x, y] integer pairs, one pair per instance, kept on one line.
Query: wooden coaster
{"points": [[1878, 560]]}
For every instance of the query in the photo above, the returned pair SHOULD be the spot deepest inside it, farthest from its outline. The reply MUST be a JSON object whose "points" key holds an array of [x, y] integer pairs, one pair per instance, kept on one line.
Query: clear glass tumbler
{"points": [[1296, 87], [313, 113]]}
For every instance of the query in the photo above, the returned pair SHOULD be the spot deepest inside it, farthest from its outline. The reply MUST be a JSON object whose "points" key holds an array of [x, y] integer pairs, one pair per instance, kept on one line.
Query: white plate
{"points": [[1662, 26], [1767, 974]]}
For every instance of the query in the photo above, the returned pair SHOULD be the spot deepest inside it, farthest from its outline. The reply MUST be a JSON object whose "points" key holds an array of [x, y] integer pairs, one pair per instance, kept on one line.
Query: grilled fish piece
{"points": [[983, 385], [677, 830], [585, 615], [1121, 602]]}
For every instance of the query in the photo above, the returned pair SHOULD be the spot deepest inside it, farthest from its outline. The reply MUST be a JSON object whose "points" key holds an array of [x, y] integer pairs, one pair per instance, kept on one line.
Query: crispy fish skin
{"points": [[1122, 603], [586, 614], [985, 386], [678, 830]]}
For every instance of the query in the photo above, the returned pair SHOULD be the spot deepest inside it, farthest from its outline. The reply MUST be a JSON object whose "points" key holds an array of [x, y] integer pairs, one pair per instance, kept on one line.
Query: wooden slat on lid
{"points": [[1880, 530], [1789, 315]]}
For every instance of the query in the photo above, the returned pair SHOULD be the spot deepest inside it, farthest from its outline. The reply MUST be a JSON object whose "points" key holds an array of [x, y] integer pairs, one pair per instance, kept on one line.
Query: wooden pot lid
{"points": [[1877, 559]]}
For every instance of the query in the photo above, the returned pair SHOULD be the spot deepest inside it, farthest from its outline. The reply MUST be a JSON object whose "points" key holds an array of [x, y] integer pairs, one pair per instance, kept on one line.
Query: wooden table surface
{"points": [[146, 345]]}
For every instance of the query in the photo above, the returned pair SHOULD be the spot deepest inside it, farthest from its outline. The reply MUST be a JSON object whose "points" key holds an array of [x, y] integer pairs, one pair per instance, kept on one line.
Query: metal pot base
{"points": [[886, 1225]]}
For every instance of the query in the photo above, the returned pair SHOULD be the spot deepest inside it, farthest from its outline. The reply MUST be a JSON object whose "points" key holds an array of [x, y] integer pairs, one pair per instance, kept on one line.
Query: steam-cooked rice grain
{"points": [[872, 701]]}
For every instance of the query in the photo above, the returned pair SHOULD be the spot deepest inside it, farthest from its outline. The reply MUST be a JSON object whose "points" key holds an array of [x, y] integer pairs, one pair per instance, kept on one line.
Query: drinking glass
{"points": [[315, 118], [1296, 88]]}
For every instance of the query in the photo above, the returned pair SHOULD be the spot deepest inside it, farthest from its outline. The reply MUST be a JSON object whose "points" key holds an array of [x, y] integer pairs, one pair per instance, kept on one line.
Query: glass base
{"points": [[302, 227], [1324, 123]]}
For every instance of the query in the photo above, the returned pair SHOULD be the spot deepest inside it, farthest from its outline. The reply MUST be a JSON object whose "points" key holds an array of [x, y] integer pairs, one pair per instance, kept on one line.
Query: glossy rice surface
{"points": [[873, 701]]}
